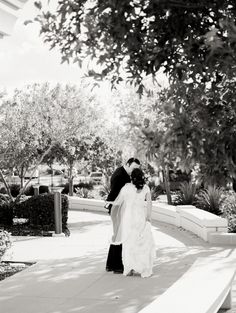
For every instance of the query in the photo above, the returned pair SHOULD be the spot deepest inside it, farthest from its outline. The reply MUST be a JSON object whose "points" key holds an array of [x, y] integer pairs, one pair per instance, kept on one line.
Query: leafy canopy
{"points": [[139, 37]]}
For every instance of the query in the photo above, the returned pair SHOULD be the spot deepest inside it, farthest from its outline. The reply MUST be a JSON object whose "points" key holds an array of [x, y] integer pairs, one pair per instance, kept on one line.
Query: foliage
{"points": [[105, 189], [37, 118], [68, 152], [173, 136], [39, 210], [211, 199], [3, 190], [194, 43], [81, 185], [4, 198], [211, 146], [30, 190], [5, 242], [8, 269], [156, 191], [189, 39], [15, 190], [228, 207], [83, 193], [6, 214], [187, 194], [43, 189], [103, 156]]}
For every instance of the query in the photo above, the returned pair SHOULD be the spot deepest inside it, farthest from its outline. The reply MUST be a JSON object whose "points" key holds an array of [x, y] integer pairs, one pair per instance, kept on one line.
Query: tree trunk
{"points": [[38, 163], [52, 172], [167, 183], [70, 179], [21, 177], [71, 187]]}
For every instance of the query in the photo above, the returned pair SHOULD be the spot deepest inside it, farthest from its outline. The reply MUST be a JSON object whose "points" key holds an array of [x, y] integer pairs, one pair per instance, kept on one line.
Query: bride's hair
{"points": [[137, 178]]}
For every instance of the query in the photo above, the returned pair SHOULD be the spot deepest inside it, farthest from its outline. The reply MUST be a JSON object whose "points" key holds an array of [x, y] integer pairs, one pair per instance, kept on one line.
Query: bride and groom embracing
{"points": [[132, 250]]}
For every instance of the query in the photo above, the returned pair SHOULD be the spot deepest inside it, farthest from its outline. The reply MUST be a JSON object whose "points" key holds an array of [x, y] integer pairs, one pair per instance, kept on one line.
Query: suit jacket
{"points": [[118, 179]]}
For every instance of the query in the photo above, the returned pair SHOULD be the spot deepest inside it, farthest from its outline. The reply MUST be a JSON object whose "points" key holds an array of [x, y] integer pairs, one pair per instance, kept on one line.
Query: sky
{"points": [[24, 58]]}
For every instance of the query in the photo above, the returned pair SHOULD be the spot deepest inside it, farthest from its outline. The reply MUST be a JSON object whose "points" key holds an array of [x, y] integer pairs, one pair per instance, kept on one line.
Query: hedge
{"points": [[39, 210], [30, 190], [15, 190]]}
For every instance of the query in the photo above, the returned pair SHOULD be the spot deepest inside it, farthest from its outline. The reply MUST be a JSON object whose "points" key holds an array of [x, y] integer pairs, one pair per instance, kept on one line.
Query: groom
{"points": [[119, 178]]}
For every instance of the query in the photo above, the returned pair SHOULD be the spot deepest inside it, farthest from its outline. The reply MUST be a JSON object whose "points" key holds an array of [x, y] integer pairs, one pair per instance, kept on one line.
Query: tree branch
{"points": [[6, 185], [31, 176]]}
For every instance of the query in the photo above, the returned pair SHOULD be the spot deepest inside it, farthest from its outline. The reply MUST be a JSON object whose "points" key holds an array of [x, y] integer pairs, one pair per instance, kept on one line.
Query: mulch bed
{"points": [[8, 269], [26, 230]]}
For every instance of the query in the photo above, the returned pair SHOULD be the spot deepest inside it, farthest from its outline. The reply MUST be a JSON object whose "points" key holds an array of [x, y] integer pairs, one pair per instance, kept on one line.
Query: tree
{"points": [[199, 129], [189, 39], [205, 127], [67, 153], [146, 125], [103, 156], [39, 117]]}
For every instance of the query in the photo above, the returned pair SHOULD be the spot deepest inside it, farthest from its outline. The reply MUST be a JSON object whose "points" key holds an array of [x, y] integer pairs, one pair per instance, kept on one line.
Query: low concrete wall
{"points": [[76, 203], [208, 226], [199, 222]]}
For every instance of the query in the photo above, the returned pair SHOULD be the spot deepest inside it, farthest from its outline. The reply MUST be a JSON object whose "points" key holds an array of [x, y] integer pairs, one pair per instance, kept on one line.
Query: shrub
{"points": [[39, 210], [105, 189], [3, 190], [88, 186], [15, 190], [156, 191], [6, 214], [5, 242], [84, 193], [43, 189], [211, 199], [30, 190], [4, 199], [228, 207], [186, 194]]}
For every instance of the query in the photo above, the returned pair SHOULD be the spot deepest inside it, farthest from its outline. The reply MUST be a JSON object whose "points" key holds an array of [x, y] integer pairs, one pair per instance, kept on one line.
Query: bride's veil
{"points": [[121, 214]]}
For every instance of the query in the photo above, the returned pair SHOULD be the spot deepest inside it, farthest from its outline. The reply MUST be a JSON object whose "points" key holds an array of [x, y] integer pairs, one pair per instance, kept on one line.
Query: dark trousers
{"points": [[114, 259]]}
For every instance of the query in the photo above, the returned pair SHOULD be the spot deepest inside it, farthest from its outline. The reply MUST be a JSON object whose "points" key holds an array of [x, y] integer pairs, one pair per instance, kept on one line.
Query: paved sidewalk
{"points": [[69, 275]]}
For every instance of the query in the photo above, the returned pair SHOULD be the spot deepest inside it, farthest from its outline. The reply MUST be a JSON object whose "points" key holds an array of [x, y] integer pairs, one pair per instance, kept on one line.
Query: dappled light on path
{"points": [[71, 277]]}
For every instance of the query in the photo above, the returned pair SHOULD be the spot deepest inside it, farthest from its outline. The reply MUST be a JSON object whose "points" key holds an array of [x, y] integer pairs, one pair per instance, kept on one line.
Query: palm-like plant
{"points": [[187, 193], [210, 199], [105, 189]]}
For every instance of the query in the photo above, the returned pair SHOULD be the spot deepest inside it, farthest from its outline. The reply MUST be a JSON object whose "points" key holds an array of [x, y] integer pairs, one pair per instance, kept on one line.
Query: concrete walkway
{"points": [[69, 275]]}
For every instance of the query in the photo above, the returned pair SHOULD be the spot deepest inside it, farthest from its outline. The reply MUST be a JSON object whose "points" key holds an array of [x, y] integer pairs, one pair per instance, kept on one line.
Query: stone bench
{"points": [[204, 288], [200, 222], [164, 212]]}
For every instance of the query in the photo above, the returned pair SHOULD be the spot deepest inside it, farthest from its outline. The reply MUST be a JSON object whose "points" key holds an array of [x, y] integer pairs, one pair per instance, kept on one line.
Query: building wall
{"points": [[9, 12]]}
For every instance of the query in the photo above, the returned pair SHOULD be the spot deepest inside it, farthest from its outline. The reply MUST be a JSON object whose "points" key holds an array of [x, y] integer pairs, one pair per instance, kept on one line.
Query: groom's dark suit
{"points": [[118, 179]]}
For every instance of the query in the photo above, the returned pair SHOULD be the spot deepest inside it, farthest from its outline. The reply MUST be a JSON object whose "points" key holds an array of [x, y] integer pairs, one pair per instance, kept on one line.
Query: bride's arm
{"points": [[149, 205]]}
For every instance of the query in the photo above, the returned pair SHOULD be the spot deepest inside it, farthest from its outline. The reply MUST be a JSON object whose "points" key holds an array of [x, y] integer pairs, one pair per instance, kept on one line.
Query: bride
{"points": [[131, 217]]}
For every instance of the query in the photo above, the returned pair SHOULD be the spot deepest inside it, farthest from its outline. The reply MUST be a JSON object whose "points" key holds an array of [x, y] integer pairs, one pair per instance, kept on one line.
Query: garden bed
{"points": [[26, 230], [8, 269]]}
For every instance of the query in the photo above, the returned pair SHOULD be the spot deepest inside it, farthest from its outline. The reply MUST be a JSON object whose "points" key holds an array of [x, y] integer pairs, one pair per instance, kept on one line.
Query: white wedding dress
{"points": [[129, 214]]}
